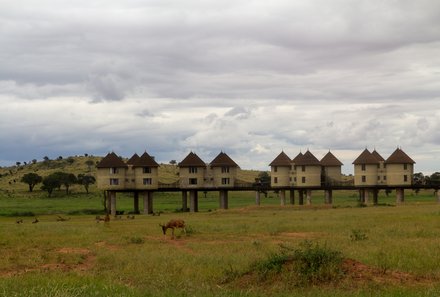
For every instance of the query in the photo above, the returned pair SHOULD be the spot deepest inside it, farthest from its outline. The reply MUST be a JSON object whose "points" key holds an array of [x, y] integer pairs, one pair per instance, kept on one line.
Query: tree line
{"points": [[56, 180]]}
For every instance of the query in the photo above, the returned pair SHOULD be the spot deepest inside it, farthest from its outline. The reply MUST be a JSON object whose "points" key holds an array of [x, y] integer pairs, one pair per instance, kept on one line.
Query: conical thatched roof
{"points": [[330, 160], [192, 160], [378, 156], [223, 159], [307, 159], [281, 160], [111, 161], [145, 161], [133, 159], [399, 157], [366, 158], [299, 156]]}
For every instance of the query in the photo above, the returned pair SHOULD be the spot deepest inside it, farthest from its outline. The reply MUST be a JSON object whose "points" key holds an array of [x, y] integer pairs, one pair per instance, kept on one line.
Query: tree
{"points": [[18, 163], [66, 179], [86, 181], [264, 178], [32, 179], [50, 183], [173, 162], [418, 180], [435, 179]]}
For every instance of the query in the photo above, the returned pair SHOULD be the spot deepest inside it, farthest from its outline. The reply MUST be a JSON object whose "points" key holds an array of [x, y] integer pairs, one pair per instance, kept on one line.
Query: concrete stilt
{"points": [[282, 197], [309, 197], [366, 196], [108, 201], [362, 195], [136, 202], [193, 201], [292, 197], [400, 196], [328, 196], [113, 203], [257, 197], [375, 196], [148, 202], [184, 201], [301, 197], [223, 199]]}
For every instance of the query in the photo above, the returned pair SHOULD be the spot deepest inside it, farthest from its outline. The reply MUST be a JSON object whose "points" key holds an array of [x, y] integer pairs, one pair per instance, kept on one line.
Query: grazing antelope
{"points": [[172, 224], [105, 219], [19, 221], [61, 219], [35, 221]]}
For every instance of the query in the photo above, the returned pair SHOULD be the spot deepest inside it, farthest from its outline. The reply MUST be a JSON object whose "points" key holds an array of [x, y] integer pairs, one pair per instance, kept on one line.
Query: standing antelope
{"points": [[172, 224]]}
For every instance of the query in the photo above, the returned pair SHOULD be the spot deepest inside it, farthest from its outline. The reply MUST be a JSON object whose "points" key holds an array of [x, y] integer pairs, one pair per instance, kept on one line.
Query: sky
{"points": [[250, 78]]}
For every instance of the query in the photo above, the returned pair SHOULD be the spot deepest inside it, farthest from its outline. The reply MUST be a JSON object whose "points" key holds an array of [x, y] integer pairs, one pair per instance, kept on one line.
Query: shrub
{"points": [[357, 235]]}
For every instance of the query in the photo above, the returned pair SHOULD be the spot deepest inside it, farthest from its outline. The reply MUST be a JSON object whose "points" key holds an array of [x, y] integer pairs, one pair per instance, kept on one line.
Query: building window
{"points": [[303, 179], [225, 181], [364, 179], [147, 181], [275, 180], [193, 181], [294, 167], [225, 169], [378, 177], [275, 168], [114, 181], [405, 178], [384, 177], [192, 169], [114, 170], [378, 166], [363, 167], [146, 170], [294, 179], [303, 168], [405, 166]]}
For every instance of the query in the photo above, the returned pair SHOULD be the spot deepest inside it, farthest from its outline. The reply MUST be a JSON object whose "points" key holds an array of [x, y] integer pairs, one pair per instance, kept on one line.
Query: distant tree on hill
{"points": [[50, 183], [32, 179], [46, 159], [34, 161], [434, 179], [86, 181], [173, 162], [18, 163], [264, 177]]}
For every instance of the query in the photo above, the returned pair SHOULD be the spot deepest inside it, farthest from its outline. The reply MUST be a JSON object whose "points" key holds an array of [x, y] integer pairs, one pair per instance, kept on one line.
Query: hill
{"points": [[10, 176]]}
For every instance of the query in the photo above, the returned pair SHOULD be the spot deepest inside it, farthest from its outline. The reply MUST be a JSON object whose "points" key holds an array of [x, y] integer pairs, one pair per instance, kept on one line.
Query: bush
{"points": [[306, 265], [357, 235]]}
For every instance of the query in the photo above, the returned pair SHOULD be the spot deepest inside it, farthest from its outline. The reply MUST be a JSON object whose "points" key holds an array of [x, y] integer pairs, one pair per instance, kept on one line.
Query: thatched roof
{"points": [[399, 157], [378, 156], [223, 159], [111, 161], [192, 160], [281, 160], [145, 161], [299, 156], [307, 159], [133, 159], [330, 160], [366, 158]]}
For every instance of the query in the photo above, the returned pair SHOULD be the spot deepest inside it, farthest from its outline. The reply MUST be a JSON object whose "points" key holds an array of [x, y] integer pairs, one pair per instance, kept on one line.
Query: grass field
{"points": [[247, 250]]}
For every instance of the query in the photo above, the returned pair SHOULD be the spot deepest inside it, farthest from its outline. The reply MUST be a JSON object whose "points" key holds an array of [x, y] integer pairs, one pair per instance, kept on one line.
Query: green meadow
{"points": [[346, 249]]}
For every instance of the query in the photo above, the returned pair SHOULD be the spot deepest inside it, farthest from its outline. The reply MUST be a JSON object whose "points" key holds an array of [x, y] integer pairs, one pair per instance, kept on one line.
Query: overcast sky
{"points": [[250, 78]]}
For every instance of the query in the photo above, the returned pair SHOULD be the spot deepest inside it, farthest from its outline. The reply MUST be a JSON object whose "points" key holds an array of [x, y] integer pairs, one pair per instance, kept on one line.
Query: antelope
{"points": [[172, 224], [105, 219], [35, 221]]}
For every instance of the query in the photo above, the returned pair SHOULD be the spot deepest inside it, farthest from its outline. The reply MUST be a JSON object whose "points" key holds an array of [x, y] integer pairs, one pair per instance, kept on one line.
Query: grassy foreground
{"points": [[386, 250]]}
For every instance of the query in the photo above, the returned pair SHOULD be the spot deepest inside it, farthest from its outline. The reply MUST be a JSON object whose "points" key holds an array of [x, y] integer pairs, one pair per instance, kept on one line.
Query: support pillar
{"points": [[108, 196], [309, 197], [282, 197], [400, 196], [375, 196], [223, 199], [193, 201], [301, 197], [184, 201], [292, 197], [148, 202], [257, 197], [112, 203], [362, 195], [328, 197], [366, 195], [136, 202]]}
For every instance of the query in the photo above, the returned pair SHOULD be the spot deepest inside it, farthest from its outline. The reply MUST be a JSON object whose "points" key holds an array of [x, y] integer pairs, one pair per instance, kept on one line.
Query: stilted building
{"points": [[331, 170], [280, 170], [192, 172], [223, 171], [111, 173], [399, 169]]}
